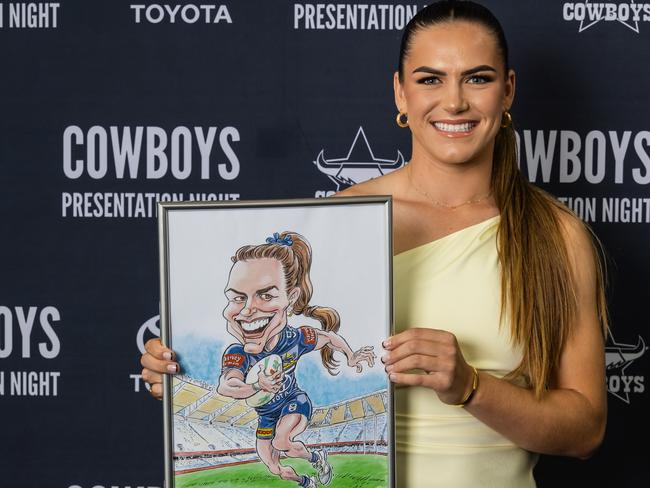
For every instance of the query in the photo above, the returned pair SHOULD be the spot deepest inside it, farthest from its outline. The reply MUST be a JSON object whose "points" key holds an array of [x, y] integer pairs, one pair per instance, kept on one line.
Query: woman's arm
{"points": [[569, 419]]}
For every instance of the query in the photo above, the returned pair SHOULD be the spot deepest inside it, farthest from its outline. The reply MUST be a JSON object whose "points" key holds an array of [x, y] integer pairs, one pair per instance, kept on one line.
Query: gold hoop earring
{"points": [[402, 120], [290, 312], [508, 119]]}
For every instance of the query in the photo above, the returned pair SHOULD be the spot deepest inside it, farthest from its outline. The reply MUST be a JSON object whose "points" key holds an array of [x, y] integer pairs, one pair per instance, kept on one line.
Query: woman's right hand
{"points": [[156, 361]]}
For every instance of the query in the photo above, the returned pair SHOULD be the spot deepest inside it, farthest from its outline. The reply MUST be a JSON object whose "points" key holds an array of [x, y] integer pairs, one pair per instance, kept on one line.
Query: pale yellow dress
{"points": [[453, 284]]}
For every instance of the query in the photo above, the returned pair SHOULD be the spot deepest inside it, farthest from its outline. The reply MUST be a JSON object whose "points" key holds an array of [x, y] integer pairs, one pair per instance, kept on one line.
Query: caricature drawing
{"points": [[267, 283]]}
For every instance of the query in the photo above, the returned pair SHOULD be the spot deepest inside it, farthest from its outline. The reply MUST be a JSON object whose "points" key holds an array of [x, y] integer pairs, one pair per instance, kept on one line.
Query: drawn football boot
{"points": [[322, 467]]}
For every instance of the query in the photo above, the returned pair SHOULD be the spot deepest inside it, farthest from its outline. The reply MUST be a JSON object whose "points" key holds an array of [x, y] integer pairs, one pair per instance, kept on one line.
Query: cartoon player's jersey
{"points": [[293, 343]]}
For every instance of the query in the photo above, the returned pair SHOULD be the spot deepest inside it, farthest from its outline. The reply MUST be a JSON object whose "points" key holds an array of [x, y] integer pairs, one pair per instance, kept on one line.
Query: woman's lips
{"points": [[455, 128]]}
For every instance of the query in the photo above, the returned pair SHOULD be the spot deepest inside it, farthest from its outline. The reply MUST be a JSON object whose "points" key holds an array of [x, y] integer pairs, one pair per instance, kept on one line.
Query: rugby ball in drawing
{"points": [[270, 365]]}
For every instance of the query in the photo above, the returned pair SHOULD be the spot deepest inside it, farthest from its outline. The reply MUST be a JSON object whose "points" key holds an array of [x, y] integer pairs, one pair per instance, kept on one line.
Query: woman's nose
{"points": [[454, 101]]}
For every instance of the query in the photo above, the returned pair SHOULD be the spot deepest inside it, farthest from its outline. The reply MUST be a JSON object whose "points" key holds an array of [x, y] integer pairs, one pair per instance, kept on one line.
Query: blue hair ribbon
{"points": [[276, 239]]}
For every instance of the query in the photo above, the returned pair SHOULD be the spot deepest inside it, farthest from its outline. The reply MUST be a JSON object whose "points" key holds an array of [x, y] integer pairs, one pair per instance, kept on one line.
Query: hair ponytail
{"points": [[538, 288], [328, 317], [330, 322]]}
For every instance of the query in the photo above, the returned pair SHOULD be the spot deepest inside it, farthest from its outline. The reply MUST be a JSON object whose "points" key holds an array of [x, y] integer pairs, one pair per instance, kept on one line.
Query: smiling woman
{"points": [[499, 296]]}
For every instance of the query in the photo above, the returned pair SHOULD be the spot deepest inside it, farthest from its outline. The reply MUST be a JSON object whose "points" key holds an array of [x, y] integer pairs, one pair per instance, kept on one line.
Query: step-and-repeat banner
{"points": [[107, 107]]}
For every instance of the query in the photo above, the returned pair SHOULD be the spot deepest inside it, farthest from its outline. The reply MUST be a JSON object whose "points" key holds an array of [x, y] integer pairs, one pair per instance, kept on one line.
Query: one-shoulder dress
{"points": [[453, 284]]}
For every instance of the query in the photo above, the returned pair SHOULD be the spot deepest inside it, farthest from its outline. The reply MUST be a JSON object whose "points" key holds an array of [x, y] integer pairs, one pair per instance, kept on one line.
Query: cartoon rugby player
{"points": [[268, 283]]}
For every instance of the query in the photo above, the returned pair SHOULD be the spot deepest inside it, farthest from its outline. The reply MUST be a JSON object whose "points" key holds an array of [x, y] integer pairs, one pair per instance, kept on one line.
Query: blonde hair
{"points": [[296, 264]]}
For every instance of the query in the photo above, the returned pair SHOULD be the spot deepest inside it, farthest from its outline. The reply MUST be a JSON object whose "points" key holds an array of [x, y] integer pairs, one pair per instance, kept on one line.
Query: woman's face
{"points": [[454, 92], [257, 302]]}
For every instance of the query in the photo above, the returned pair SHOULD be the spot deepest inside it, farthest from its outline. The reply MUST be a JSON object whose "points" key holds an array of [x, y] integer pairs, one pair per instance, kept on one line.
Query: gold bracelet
{"points": [[470, 393]]}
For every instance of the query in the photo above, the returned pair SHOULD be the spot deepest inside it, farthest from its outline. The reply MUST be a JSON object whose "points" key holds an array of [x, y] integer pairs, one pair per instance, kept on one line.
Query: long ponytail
{"points": [[538, 289]]}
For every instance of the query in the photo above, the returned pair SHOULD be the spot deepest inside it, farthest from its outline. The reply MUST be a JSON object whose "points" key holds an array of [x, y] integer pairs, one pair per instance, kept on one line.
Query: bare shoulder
{"points": [[383, 185], [577, 235]]}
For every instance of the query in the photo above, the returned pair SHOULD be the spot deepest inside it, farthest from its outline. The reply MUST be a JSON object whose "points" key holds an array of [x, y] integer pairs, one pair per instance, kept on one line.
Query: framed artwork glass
{"points": [[277, 311]]}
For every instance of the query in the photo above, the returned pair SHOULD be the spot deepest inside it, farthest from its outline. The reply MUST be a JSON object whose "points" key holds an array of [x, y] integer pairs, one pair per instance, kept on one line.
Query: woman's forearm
{"points": [[562, 422]]}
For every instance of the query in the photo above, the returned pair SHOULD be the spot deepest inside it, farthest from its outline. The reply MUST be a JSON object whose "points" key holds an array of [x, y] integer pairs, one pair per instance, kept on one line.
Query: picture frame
{"points": [[251, 293]]}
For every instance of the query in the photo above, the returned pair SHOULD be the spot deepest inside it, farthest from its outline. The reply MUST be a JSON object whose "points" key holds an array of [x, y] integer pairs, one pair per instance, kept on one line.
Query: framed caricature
{"points": [[276, 311]]}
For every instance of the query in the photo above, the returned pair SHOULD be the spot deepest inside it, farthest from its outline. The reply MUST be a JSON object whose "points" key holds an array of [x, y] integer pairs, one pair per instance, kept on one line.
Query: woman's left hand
{"points": [[437, 355]]}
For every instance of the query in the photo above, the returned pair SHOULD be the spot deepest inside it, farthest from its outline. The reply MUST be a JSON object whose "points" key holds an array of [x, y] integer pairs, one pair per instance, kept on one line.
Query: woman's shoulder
{"points": [[573, 228], [582, 245], [382, 185]]}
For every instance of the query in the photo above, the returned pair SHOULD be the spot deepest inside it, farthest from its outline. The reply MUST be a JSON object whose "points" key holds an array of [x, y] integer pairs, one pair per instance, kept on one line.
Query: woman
{"points": [[498, 288], [267, 283]]}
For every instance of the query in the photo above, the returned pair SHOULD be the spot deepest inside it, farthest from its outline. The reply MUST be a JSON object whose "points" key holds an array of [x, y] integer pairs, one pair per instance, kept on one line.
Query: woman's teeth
{"points": [[255, 325], [464, 127]]}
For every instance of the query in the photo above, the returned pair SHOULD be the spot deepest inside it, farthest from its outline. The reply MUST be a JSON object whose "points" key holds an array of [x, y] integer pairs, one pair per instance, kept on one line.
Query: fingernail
{"points": [[386, 343], [172, 368], [389, 368], [167, 355], [383, 359], [391, 377]]}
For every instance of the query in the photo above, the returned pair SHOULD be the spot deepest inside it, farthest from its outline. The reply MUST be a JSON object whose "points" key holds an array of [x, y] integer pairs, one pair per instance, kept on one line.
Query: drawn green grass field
{"points": [[350, 471]]}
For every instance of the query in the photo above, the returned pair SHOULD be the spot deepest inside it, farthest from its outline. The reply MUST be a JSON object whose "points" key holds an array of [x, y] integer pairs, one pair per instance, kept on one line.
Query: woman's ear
{"points": [[509, 91], [400, 99]]}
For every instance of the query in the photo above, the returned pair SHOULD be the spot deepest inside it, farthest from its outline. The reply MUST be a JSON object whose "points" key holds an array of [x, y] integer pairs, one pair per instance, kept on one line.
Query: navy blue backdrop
{"points": [[107, 107]]}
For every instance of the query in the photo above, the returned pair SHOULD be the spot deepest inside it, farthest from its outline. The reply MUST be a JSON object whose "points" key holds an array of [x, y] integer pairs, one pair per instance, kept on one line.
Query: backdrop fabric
{"points": [[107, 107]]}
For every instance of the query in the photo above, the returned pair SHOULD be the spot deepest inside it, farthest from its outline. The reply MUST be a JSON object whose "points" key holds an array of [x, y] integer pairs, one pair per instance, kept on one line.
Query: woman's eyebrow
{"points": [[471, 71], [482, 67]]}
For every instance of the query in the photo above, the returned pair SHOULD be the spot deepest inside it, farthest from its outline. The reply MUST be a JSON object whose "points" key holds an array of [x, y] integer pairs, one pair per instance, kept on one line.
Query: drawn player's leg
{"points": [[289, 426], [293, 422], [271, 457]]}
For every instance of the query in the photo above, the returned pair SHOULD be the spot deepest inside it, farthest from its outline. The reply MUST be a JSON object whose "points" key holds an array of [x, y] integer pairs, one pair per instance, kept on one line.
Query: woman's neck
{"points": [[449, 184]]}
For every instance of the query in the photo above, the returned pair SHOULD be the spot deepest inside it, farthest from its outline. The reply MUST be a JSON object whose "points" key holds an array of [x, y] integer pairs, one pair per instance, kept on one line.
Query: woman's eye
{"points": [[266, 296], [431, 80], [478, 79], [238, 299]]}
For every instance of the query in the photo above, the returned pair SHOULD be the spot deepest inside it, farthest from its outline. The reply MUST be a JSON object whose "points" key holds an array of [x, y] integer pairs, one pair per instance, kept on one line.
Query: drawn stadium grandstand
{"points": [[204, 419]]}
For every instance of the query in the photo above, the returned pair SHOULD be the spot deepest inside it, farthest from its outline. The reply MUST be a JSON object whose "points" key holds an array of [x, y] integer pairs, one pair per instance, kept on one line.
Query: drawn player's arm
{"points": [[232, 384], [338, 343]]}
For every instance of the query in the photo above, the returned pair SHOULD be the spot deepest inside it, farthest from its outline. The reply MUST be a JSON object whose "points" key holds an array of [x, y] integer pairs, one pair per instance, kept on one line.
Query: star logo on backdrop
{"points": [[596, 14], [360, 164], [618, 357]]}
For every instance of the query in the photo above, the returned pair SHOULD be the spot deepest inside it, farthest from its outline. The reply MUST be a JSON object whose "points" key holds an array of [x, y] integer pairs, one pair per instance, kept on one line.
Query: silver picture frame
{"points": [[346, 414]]}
